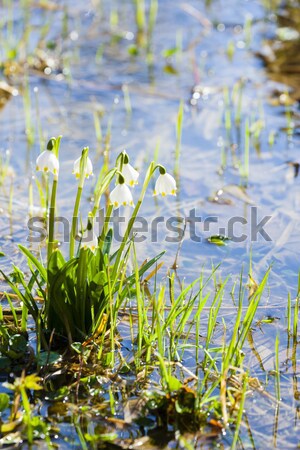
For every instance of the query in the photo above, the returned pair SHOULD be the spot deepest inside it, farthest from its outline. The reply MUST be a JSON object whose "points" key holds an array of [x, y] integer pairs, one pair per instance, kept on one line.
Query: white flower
{"points": [[47, 162], [89, 240], [165, 185], [121, 195], [88, 168], [130, 174]]}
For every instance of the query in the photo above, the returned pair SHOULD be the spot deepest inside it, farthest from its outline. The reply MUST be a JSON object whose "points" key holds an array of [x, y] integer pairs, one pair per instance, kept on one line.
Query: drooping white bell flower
{"points": [[130, 174], [121, 195], [165, 185], [89, 240], [88, 168], [47, 162]]}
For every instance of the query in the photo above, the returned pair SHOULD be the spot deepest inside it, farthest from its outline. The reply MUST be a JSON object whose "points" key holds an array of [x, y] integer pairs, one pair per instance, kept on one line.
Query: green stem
{"points": [[101, 189], [56, 143], [148, 177], [52, 219], [105, 225], [27, 409], [82, 287], [83, 161], [74, 220]]}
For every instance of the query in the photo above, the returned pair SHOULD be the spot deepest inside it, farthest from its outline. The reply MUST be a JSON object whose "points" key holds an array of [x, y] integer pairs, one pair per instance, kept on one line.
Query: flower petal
{"points": [[121, 195], [89, 240], [88, 168], [165, 185], [47, 162], [130, 174]]}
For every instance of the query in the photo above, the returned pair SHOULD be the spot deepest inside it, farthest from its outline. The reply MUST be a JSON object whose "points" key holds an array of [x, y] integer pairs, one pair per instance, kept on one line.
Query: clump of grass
{"points": [[79, 293]]}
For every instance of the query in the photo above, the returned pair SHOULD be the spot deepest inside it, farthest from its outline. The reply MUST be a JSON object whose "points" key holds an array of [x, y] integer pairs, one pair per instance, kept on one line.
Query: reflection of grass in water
{"points": [[242, 131]]}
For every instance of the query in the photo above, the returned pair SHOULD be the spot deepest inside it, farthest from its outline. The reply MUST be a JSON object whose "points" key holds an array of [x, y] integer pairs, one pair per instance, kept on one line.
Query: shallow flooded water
{"points": [[238, 161]]}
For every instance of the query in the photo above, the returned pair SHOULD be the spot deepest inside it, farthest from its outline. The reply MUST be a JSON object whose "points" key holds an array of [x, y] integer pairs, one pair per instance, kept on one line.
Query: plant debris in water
{"points": [[282, 54]]}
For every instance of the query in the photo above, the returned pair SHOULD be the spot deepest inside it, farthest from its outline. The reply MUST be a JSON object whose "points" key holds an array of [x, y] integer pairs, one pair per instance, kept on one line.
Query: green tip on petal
{"points": [[51, 144], [126, 158], [121, 179]]}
